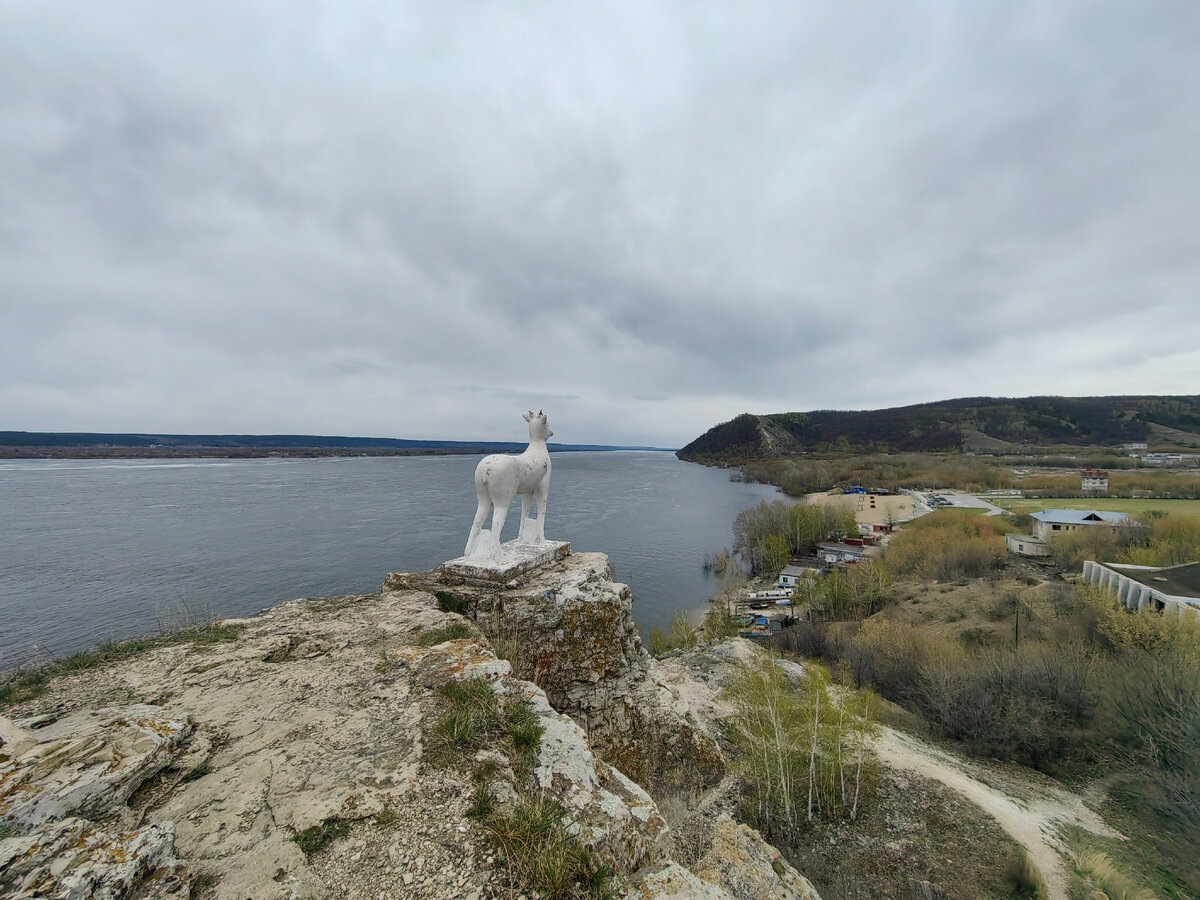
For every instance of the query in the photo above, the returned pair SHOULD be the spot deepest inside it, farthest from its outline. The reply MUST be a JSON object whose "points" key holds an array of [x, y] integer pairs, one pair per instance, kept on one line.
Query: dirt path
{"points": [[1027, 810]]}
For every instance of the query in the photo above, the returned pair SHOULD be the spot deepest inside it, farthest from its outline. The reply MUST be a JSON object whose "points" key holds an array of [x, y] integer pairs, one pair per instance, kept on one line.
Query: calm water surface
{"points": [[106, 549]]}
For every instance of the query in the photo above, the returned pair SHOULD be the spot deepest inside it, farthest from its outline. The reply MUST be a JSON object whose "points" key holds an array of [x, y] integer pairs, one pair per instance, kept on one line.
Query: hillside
{"points": [[969, 422]]}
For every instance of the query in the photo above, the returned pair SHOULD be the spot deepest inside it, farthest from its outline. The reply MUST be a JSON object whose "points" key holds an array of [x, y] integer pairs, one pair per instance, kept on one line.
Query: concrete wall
{"points": [[1136, 595]]}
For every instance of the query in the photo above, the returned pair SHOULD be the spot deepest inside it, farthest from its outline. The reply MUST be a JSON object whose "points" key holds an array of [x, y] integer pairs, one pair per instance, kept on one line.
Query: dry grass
{"points": [[980, 611], [1188, 508], [28, 684]]}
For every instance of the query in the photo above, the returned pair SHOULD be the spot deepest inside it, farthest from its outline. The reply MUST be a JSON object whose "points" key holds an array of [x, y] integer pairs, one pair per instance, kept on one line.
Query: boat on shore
{"points": [[765, 599]]}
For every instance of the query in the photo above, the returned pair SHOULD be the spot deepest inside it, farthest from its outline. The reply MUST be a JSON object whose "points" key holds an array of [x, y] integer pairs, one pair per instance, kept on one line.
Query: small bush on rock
{"points": [[455, 631], [315, 837], [540, 854]]}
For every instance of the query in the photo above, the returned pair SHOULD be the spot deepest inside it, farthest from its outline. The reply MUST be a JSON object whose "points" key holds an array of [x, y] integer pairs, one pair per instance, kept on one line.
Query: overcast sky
{"points": [[419, 220]]}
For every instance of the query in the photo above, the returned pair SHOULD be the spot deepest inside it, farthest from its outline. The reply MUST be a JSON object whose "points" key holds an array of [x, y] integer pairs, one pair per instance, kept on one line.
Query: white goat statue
{"points": [[498, 479]]}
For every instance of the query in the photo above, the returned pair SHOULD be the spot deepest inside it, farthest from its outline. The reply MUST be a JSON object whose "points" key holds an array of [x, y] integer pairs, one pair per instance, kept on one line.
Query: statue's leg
{"points": [[526, 534], [485, 506], [499, 514], [542, 491]]}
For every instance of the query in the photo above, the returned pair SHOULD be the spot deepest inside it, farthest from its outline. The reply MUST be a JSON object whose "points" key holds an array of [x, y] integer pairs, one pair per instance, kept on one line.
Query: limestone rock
{"points": [[607, 811], [673, 882], [452, 661], [73, 859], [314, 719], [87, 763], [13, 736], [749, 868], [569, 628]]}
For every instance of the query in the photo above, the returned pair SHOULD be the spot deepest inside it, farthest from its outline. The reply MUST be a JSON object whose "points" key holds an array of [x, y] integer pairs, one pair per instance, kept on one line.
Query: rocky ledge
{"points": [[295, 760]]}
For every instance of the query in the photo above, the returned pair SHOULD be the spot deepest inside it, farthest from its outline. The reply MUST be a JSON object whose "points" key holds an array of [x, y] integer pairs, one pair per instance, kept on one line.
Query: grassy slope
{"points": [[1190, 508]]}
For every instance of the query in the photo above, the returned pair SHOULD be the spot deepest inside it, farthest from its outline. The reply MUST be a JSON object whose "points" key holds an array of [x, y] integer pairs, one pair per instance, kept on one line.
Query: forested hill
{"points": [[969, 422]]}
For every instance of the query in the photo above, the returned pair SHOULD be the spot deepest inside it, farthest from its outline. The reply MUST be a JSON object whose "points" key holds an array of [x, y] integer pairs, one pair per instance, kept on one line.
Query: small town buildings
{"points": [[1095, 481], [833, 553], [1135, 445], [1054, 521], [1169, 459], [1168, 589], [1026, 545], [791, 575]]}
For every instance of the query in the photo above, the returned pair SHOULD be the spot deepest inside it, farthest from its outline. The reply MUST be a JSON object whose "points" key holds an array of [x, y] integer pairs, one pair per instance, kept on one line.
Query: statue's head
{"points": [[538, 429]]}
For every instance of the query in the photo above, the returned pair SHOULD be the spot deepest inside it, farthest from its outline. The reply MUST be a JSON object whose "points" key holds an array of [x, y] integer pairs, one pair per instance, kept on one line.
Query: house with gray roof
{"points": [[791, 575], [1056, 521]]}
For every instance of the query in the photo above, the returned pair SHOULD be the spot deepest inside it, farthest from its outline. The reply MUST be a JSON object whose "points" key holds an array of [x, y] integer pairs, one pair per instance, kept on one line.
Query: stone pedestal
{"points": [[516, 559]]}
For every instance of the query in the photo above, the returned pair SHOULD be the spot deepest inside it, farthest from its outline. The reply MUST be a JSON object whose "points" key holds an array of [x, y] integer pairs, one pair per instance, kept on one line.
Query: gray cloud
{"points": [[419, 220]]}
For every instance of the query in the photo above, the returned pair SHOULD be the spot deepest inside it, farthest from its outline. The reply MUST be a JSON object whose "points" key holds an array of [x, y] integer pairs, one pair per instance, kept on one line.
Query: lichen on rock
{"points": [[569, 628]]}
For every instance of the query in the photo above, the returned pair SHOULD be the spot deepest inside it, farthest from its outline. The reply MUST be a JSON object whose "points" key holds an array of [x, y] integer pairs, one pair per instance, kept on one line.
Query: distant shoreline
{"points": [[91, 452]]}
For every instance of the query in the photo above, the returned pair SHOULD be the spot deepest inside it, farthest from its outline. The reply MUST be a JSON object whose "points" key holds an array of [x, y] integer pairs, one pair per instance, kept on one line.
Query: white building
{"points": [[1026, 545], [1056, 521], [1095, 481], [791, 575], [1169, 589]]}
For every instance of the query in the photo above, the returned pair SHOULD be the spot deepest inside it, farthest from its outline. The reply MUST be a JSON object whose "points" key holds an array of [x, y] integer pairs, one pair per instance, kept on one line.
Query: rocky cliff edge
{"points": [[298, 760]]}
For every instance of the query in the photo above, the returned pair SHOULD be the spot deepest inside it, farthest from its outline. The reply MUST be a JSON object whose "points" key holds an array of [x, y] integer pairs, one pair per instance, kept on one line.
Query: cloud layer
{"points": [[418, 220]]}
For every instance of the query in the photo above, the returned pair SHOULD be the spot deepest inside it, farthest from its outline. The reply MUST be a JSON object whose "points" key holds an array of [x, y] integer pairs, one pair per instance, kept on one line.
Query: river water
{"points": [[98, 550]]}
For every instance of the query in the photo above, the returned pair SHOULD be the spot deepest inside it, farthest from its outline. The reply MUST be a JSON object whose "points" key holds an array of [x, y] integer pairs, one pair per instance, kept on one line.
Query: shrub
{"points": [[1172, 540], [802, 754], [1023, 877], [891, 655], [719, 624], [1152, 720], [808, 638], [541, 855], [315, 837], [1029, 705], [1071, 548], [682, 635], [455, 631], [946, 545]]}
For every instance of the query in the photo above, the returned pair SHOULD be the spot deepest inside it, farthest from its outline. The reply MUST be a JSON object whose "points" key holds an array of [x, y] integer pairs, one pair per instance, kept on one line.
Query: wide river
{"points": [[107, 549]]}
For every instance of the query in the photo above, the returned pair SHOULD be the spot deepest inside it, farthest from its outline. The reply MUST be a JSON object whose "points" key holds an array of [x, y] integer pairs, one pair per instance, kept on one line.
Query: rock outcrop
{"points": [[53, 771], [569, 628], [292, 762], [608, 812]]}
